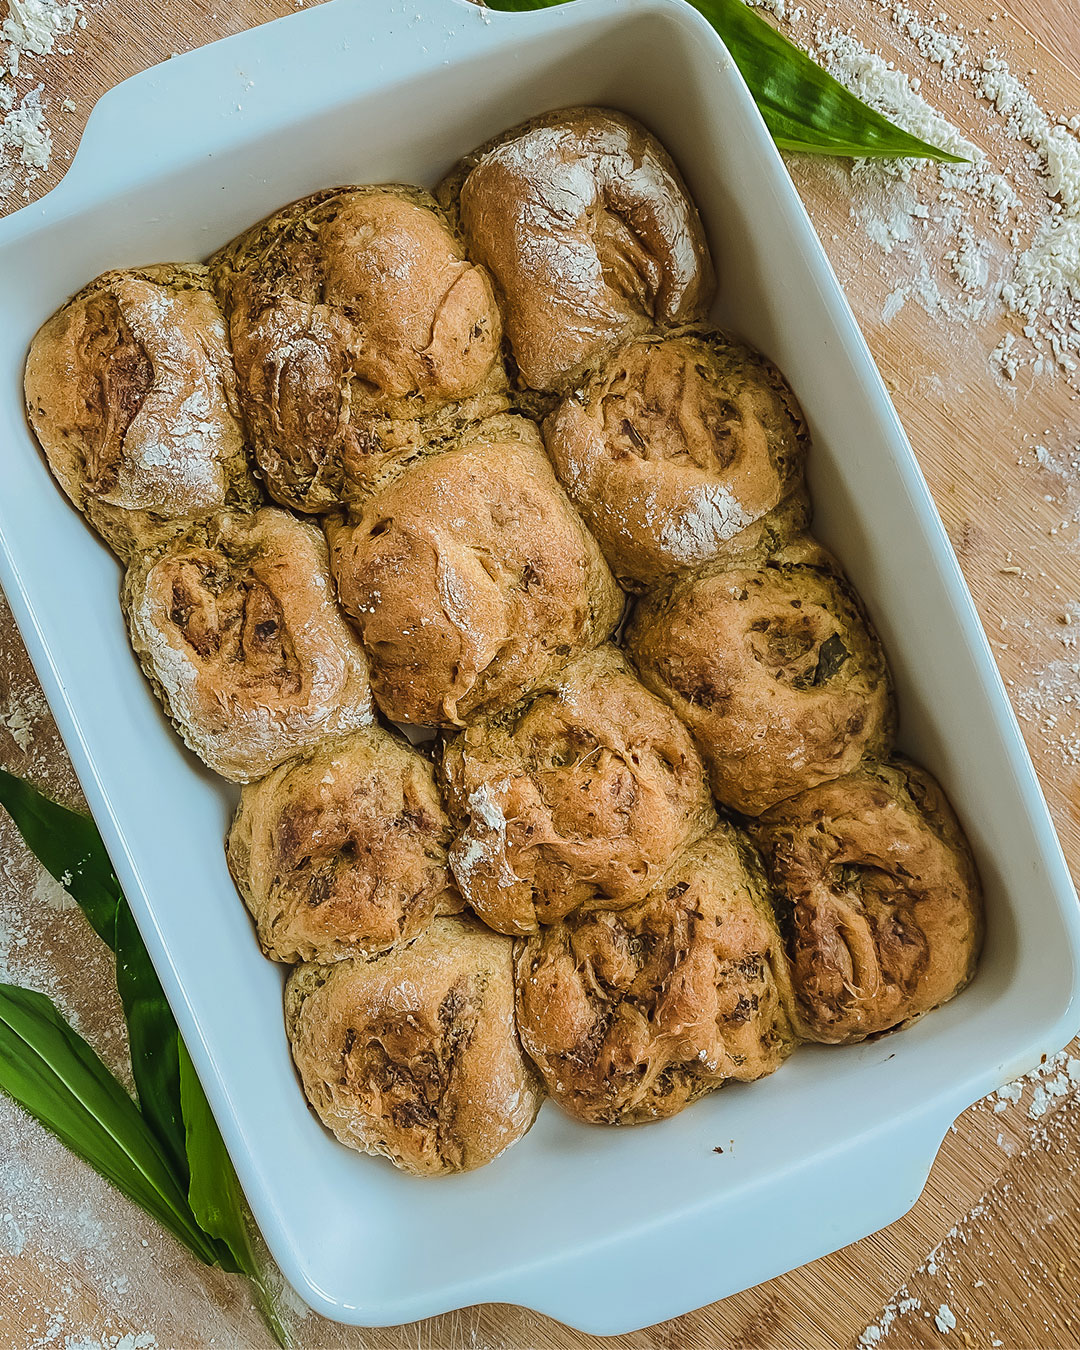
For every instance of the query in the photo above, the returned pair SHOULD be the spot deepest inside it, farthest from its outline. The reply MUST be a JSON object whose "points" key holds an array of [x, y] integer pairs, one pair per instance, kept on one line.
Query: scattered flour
{"points": [[29, 30], [945, 1319]]}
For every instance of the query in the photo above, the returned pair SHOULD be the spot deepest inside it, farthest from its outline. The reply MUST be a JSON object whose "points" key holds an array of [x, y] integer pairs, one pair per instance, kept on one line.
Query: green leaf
{"points": [[68, 845], [153, 1039], [805, 109], [54, 1075], [215, 1195]]}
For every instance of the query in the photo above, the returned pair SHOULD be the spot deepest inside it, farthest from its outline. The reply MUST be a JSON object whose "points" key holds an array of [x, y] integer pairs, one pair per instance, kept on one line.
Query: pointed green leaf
{"points": [[805, 109], [216, 1198], [55, 1075], [69, 846]]}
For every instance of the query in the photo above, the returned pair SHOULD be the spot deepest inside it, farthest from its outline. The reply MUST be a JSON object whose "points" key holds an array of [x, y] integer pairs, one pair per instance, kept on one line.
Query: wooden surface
{"points": [[994, 1243]]}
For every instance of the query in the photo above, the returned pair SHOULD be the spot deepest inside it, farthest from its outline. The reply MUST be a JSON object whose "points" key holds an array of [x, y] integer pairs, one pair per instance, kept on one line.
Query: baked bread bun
{"points": [[583, 797], [878, 898], [342, 851], [358, 327], [130, 390], [589, 232], [672, 446], [470, 578], [414, 1054], [632, 1014], [235, 624], [774, 668]]}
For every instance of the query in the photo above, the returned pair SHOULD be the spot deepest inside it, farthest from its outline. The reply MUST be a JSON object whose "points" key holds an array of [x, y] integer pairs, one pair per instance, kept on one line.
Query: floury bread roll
{"points": [[342, 851], [130, 389], [774, 668], [236, 627], [673, 446], [631, 1015], [878, 896], [581, 798], [590, 234], [359, 328], [470, 578], [414, 1054]]}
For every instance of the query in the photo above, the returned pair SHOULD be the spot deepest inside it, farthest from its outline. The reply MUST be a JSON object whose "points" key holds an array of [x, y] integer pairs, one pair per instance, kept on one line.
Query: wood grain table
{"points": [[990, 1256]]}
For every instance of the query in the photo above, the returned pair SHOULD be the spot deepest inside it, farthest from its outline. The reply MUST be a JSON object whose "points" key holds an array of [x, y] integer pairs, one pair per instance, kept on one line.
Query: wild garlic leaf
{"points": [[805, 109], [55, 1075], [68, 845], [215, 1195]]}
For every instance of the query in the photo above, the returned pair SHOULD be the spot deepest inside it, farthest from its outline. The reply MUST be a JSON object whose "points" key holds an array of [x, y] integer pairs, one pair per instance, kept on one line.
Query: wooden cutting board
{"points": [[990, 1255]]}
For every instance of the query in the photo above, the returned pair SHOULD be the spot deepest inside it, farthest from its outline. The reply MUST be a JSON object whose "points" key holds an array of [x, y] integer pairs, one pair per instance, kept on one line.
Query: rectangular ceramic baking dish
{"points": [[607, 1230]]}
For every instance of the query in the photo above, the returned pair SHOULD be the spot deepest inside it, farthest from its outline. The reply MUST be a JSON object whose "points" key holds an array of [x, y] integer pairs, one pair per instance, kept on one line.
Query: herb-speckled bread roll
{"points": [[470, 577], [878, 897], [414, 1054], [631, 1015], [358, 327], [236, 627], [774, 668], [672, 446], [130, 389], [582, 797], [342, 851], [589, 232]]}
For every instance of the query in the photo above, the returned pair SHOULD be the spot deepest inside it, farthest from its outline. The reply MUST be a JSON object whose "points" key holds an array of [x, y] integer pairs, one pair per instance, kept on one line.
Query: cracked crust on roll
{"points": [[673, 446], [774, 667], [359, 329], [414, 1054], [589, 231], [470, 578], [582, 797], [630, 1015], [131, 392], [342, 851], [878, 898], [235, 625]]}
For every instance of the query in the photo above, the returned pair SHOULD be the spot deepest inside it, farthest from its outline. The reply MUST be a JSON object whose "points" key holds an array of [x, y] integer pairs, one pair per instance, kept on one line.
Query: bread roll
{"points": [[342, 851], [631, 1015], [130, 389], [672, 446], [589, 232], [470, 578], [774, 668], [582, 797], [235, 624], [358, 327], [413, 1054], [878, 896]]}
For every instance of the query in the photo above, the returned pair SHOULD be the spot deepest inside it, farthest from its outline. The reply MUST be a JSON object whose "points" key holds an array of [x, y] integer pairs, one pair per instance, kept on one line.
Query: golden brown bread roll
{"points": [[130, 389], [414, 1054], [358, 327], [672, 446], [582, 797], [471, 578], [774, 668], [589, 232], [342, 851], [878, 896], [236, 627], [631, 1015]]}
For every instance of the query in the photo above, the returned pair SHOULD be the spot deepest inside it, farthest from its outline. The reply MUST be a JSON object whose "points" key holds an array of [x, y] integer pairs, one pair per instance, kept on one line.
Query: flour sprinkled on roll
{"points": [[590, 234], [130, 389]]}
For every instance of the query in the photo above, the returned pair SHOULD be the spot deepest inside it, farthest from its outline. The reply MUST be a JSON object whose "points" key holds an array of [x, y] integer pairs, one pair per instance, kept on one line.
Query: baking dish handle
{"points": [[208, 100]]}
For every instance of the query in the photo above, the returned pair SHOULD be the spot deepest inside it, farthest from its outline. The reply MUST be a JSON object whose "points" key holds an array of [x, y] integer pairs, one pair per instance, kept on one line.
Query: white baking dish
{"points": [[608, 1230]]}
